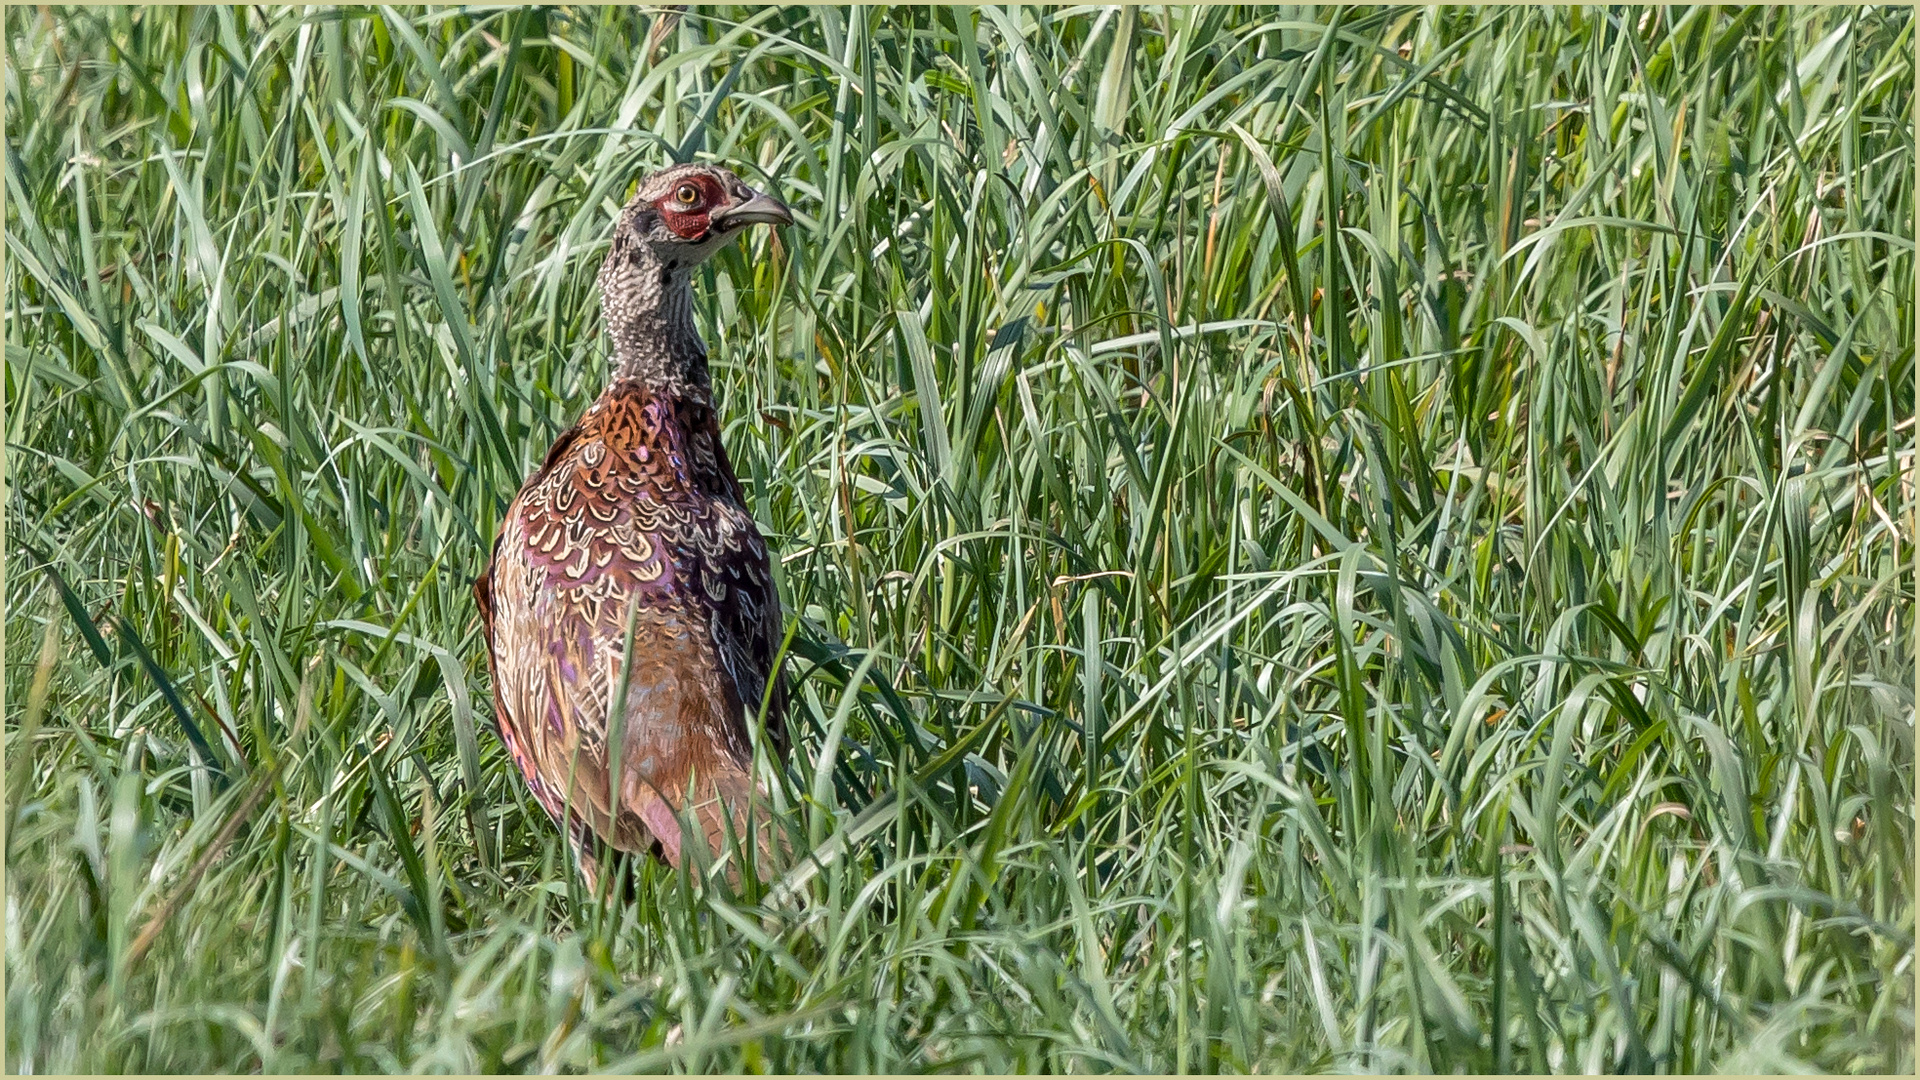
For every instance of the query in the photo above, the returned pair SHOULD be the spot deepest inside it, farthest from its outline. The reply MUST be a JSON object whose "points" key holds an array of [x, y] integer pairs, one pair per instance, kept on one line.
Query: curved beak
{"points": [[760, 209]]}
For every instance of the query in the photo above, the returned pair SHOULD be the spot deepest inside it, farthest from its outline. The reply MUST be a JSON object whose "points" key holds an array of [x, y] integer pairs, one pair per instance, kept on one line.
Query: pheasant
{"points": [[629, 606]]}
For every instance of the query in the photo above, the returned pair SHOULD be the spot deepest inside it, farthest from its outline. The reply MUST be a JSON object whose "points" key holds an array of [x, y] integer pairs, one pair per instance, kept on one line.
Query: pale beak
{"points": [[759, 209]]}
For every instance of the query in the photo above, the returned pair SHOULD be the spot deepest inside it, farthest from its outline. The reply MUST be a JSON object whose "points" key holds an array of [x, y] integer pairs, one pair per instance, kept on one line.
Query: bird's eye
{"points": [[688, 194]]}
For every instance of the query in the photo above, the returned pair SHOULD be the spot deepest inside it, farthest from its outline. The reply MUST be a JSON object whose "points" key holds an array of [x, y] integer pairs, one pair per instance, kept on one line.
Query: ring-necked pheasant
{"points": [[635, 529]]}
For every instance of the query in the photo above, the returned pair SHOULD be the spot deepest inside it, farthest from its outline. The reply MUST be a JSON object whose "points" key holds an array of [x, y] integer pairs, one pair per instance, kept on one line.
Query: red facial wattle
{"points": [[691, 219]]}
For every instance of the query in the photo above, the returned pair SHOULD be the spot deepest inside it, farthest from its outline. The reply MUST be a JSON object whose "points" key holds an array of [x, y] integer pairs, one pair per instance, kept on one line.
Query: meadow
{"points": [[1314, 538]]}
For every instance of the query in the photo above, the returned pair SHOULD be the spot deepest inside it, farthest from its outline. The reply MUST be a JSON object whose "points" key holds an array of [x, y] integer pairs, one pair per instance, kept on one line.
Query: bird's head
{"points": [[676, 219], [685, 213]]}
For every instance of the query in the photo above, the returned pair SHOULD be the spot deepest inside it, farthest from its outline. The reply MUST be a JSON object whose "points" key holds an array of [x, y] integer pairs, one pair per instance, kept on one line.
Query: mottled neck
{"points": [[648, 308]]}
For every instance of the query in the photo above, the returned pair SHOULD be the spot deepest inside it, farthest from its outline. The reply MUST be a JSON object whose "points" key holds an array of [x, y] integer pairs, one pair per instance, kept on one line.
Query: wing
{"points": [[747, 634], [746, 617], [506, 663]]}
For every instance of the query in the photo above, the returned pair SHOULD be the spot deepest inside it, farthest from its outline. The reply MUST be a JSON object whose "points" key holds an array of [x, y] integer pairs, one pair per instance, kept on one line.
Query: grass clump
{"points": [[1326, 538]]}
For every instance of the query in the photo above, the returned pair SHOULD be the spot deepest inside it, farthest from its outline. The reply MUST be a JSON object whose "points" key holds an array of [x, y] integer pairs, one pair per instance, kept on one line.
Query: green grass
{"points": [[1316, 539]]}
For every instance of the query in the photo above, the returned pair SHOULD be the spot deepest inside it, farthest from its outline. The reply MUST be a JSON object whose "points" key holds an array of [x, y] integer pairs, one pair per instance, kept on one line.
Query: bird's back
{"points": [[635, 524]]}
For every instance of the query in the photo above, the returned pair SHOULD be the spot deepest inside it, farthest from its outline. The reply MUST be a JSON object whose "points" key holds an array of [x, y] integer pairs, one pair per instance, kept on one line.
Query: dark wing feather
{"points": [[748, 623]]}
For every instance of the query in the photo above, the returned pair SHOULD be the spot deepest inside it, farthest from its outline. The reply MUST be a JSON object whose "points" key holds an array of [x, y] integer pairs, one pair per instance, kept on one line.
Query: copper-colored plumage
{"points": [[635, 524]]}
